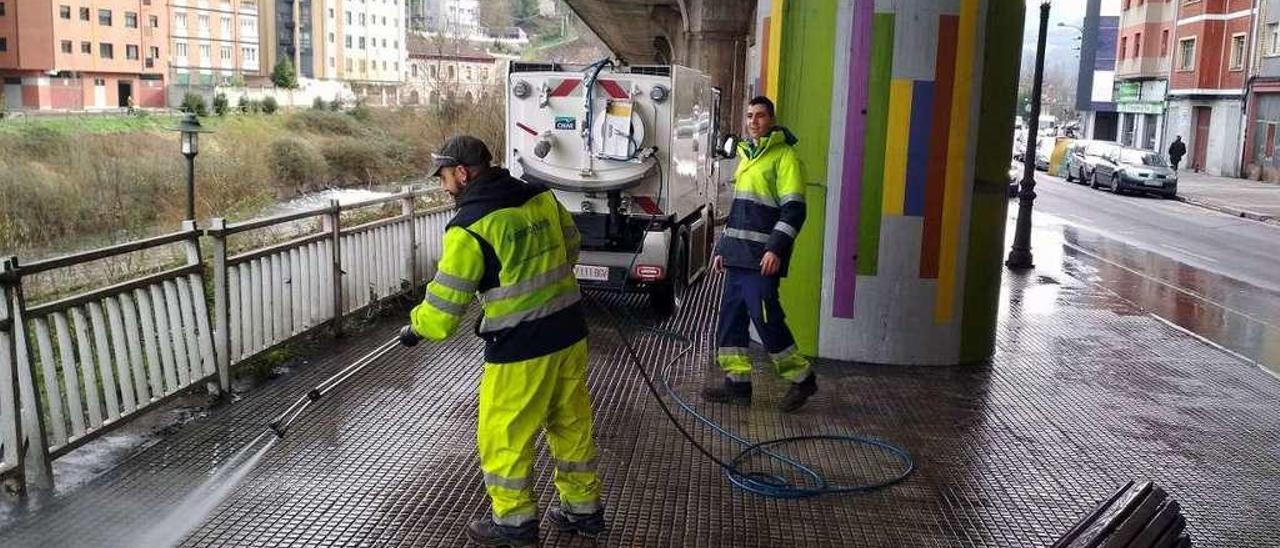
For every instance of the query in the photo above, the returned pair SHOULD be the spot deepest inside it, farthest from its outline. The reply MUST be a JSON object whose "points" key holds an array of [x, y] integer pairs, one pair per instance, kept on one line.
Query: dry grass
{"points": [[64, 188]]}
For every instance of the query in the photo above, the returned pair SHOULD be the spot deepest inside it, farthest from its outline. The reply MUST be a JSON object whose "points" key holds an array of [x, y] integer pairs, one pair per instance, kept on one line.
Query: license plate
{"points": [[592, 273], [1153, 183]]}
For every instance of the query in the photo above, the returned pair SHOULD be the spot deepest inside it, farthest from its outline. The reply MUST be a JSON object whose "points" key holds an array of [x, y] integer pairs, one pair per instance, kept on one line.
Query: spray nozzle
{"points": [[277, 429]]}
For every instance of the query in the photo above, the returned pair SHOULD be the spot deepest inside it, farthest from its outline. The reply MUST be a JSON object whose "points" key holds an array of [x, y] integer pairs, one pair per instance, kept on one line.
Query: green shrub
{"points": [[243, 104], [353, 160], [255, 107], [361, 112], [220, 104], [296, 163], [336, 104], [42, 142], [269, 105], [325, 122], [317, 104], [194, 102]]}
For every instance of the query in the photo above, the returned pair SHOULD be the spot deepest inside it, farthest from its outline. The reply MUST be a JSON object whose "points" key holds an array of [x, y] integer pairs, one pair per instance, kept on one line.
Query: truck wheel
{"points": [[668, 297]]}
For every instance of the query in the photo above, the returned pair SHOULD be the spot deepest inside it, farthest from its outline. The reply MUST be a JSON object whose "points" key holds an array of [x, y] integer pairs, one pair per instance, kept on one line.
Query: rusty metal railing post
{"points": [[221, 317], [332, 223], [411, 241], [33, 448]]}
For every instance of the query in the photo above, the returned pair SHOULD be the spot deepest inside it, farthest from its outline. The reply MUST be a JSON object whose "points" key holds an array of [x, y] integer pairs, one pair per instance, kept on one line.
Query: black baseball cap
{"points": [[461, 150]]}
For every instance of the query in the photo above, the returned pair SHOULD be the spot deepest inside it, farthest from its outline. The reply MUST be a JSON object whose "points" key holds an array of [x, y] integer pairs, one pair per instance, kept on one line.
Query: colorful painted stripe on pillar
{"points": [[906, 141], [847, 236], [773, 50], [957, 153]]}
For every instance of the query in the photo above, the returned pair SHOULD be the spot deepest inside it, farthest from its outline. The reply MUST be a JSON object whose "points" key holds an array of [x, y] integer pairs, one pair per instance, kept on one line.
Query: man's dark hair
{"points": [[764, 102]]}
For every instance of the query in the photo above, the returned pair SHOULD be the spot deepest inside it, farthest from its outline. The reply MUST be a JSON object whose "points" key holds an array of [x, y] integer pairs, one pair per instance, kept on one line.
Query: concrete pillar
{"points": [[906, 153]]}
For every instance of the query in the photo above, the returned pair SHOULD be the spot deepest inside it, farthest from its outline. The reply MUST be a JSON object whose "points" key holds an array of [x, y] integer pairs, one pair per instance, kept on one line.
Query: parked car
{"points": [[1134, 170], [1084, 158]]}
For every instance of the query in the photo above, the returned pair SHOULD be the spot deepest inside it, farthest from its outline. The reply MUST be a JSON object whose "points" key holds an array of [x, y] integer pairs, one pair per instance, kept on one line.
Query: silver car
{"points": [[1133, 170]]}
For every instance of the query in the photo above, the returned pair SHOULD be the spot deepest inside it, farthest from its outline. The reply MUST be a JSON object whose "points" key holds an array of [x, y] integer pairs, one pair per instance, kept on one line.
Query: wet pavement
{"points": [[1207, 272], [1086, 391]]}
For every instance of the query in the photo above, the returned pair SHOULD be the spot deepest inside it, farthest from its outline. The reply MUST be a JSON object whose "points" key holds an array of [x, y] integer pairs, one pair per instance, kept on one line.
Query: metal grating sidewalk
{"points": [[1076, 402]]}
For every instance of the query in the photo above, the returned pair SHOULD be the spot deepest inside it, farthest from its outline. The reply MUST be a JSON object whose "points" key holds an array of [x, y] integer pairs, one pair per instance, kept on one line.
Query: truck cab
{"points": [[630, 152]]}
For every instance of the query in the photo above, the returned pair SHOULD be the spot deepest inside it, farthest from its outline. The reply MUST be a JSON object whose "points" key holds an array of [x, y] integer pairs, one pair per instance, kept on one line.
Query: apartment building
{"points": [[1143, 57], [305, 31], [450, 71], [1211, 48], [214, 42], [373, 46], [83, 54], [1095, 83], [1261, 154]]}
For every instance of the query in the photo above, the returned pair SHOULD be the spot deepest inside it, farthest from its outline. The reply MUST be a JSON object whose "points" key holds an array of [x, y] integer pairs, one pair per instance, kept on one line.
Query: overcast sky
{"points": [[1067, 11]]}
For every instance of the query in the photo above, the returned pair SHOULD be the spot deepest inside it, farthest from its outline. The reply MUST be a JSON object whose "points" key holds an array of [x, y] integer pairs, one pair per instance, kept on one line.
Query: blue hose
{"points": [[767, 485]]}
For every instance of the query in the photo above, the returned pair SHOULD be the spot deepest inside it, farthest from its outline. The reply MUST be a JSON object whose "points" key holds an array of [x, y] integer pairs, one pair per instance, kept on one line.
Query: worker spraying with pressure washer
{"points": [[514, 245], [767, 213]]}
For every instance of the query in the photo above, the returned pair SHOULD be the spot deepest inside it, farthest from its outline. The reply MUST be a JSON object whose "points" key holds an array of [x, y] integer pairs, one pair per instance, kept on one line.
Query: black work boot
{"points": [[487, 533], [588, 525], [729, 391], [799, 394]]}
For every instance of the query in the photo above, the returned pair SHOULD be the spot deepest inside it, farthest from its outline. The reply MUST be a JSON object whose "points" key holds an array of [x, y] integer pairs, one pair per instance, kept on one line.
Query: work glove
{"points": [[408, 337]]}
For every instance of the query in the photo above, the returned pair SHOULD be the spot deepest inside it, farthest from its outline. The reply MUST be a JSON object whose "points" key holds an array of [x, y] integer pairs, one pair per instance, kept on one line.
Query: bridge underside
{"points": [[1008, 455]]}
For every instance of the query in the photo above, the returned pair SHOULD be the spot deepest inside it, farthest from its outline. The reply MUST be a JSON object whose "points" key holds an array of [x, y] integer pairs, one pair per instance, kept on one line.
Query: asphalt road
{"points": [[1207, 272]]}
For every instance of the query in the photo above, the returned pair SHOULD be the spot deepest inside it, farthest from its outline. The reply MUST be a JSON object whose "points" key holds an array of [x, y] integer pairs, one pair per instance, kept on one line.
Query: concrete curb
{"points": [[1232, 211]]}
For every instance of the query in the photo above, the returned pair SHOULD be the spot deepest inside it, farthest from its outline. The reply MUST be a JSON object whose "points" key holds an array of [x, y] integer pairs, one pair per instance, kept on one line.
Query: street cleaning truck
{"points": [[630, 152]]}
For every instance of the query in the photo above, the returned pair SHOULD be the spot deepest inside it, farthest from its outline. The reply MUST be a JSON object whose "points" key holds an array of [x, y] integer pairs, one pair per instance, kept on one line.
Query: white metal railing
{"points": [[94, 360]]}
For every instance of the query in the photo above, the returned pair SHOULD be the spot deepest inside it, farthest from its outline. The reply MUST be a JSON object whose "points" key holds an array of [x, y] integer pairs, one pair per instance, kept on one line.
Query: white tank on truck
{"points": [[630, 151]]}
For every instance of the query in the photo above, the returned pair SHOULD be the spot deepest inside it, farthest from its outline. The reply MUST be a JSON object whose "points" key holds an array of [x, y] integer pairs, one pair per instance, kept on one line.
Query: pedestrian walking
{"points": [[1177, 150], [515, 245], [767, 213]]}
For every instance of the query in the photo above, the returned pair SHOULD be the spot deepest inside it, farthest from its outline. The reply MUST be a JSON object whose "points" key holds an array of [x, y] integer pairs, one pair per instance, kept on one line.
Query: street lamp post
{"points": [[1020, 254], [191, 129]]}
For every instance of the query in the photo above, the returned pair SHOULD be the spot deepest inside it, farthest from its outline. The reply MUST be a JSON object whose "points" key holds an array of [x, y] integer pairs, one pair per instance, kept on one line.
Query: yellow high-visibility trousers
{"points": [[519, 399]]}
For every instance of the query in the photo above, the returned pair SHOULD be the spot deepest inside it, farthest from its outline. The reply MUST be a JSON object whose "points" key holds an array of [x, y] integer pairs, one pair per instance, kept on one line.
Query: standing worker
{"points": [[515, 245], [768, 211], [1176, 151]]}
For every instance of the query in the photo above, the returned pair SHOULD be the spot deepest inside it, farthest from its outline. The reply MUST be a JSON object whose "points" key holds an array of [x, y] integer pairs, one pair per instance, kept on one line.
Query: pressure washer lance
{"points": [[281, 424]]}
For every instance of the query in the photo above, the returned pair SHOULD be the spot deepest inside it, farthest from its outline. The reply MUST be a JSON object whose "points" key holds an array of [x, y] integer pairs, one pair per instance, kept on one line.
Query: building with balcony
{"points": [[373, 46], [1143, 54], [1261, 157], [83, 54], [214, 42], [305, 31], [1210, 64]]}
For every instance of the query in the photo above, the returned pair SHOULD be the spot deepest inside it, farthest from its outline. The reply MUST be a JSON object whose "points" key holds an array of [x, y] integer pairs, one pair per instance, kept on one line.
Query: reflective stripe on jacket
{"points": [[768, 202], [514, 245]]}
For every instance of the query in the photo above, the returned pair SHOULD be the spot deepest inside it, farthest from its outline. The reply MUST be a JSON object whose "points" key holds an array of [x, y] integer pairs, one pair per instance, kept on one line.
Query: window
{"points": [[433, 71], [348, 41], [248, 27], [106, 51], [451, 75], [331, 13], [99, 82], [332, 38], [1187, 54], [348, 18], [180, 20], [413, 70], [363, 66], [484, 74], [67, 46], [2, 8], [84, 14], [1164, 43], [226, 25], [206, 51], [154, 53], [250, 54], [1137, 45], [153, 21], [180, 49], [86, 48], [1237, 52], [226, 53], [348, 65], [468, 74], [130, 20], [131, 52], [4, 44], [1124, 46], [384, 42], [362, 19], [104, 18], [64, 12], [361, 42], [1272, 38], [202, 22], [332, 63]]}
